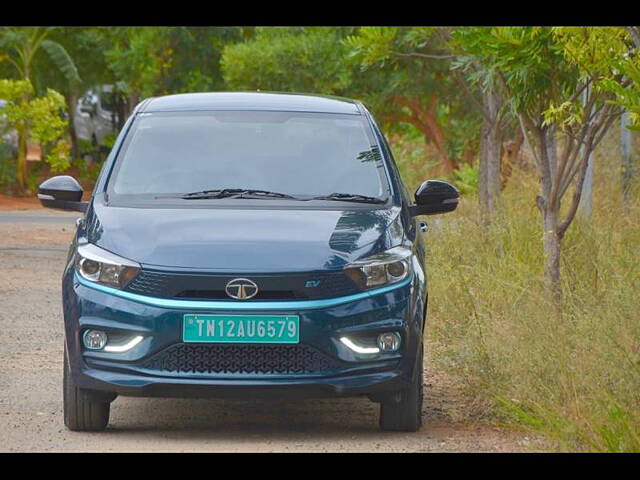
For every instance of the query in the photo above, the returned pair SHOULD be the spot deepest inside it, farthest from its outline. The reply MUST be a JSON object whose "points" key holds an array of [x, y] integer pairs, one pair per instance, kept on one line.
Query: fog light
{"points": [[94, 339], [389, 341]]}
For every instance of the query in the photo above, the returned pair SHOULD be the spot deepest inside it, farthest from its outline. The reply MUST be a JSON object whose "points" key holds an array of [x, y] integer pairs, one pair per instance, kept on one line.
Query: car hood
{"points": [[243, 240]]}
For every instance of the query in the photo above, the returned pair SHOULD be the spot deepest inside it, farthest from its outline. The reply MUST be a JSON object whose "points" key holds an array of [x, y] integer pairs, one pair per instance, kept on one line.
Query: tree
{"points": [[494, 118], [410, 68], [545, 75], [452, 75], [361, 63], [40, 116], [162, 60], [22, 46], [625, 86], [197, 52], [291, 59], [86, 45], [140, 58]]}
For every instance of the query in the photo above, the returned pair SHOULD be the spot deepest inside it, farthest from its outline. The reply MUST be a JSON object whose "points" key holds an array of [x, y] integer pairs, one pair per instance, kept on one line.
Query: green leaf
{"points": [[62, 60]]}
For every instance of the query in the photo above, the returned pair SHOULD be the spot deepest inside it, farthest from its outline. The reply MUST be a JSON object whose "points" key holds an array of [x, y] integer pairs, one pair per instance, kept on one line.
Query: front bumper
{"points": [[162, 365]]}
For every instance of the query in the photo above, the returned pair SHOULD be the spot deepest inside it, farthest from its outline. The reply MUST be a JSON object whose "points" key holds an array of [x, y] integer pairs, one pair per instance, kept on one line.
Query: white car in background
{"points": [[7, 137], [96, 115]]}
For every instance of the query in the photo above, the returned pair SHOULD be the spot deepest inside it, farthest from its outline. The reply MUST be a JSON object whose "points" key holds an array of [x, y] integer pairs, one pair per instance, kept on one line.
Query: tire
{"points": [[402, 411], [81, 413]]}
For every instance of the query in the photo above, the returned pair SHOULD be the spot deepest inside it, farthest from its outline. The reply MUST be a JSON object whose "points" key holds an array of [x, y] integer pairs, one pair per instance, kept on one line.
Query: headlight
{"points": [[97, 265], [381, 269]]}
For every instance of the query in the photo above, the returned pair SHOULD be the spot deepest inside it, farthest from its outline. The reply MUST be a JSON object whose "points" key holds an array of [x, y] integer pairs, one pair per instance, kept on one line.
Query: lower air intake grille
{"points": [[238, 359]]}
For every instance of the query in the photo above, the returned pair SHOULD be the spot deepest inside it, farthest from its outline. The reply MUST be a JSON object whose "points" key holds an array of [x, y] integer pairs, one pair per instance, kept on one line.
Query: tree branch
{"points": [[576, 165], [425, 55], [577, 195], [467, 90], [609, 120], [577, 93], [406, 119], [560, 184], [597, 132]]}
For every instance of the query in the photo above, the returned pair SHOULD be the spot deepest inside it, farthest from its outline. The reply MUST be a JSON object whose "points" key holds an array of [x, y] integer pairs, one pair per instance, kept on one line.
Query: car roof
{"points": [[251, 101]]}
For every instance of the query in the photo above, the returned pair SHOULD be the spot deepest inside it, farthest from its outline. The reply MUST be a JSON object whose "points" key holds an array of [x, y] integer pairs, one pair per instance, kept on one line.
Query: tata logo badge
{"points": [[241, 289]]}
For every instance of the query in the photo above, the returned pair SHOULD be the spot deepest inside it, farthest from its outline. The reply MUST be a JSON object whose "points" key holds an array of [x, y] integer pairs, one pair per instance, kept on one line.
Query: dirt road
{"points": [[33, 247]]}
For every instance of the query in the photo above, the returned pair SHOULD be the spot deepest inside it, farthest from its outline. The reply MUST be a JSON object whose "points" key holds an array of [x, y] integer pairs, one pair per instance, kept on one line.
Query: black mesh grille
{"points": [[149, 283], [271, 287], [238, 359]]}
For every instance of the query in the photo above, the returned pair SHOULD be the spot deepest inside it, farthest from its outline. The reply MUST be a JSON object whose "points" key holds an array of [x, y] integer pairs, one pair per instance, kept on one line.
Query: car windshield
{"points": [[293, 153]]}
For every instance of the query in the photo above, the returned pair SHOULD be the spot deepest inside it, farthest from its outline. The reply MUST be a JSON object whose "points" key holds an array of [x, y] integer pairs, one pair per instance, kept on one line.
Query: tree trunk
{"points": [[490, 157], [551, 244], [551, 144], [550, 210], [21, 166], [132, 100], [556, 178], [71, 107], [483, 172], [23, 135], [586, 197]]}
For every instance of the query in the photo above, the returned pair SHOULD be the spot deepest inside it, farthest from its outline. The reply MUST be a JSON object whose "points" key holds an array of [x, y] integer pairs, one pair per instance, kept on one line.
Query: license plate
{"points": [[197, 328]]}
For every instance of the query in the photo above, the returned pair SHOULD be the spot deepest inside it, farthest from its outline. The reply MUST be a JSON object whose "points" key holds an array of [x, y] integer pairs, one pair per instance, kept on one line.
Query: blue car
{"points": [[246, 244]]}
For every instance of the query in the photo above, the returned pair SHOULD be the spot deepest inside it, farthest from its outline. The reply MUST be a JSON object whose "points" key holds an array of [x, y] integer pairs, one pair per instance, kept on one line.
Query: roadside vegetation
{"points": [[573, 374], [533, 280]]}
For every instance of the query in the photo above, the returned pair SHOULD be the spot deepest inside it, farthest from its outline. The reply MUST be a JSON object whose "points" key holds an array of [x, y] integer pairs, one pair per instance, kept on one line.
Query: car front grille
{"points": [[295, 286], [240, 359]]}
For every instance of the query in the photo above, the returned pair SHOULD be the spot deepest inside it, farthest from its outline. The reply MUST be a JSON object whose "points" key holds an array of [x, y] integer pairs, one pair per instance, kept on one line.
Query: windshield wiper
{"points": [[235, 193], [253, 193], [350, 197]]}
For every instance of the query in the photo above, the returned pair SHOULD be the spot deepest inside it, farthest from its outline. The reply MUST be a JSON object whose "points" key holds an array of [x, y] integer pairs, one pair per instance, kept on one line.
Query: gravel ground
{"points": [[33, 247]]}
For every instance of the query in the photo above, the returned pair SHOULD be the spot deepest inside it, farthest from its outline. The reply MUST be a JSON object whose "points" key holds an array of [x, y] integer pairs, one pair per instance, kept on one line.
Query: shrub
{"points": [[465, 177]]}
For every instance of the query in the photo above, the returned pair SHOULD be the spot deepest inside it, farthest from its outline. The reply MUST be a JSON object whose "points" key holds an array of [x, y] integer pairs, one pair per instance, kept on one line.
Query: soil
{"points": [[11, 203]]}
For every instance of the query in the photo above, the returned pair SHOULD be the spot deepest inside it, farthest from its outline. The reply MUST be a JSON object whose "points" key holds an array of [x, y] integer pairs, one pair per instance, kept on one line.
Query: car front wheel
{"points": [[81, 412], [402, 411]]}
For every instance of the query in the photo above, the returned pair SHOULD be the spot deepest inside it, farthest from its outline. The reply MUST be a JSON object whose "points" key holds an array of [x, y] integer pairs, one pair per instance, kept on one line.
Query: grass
{"points": [[574, 376]]}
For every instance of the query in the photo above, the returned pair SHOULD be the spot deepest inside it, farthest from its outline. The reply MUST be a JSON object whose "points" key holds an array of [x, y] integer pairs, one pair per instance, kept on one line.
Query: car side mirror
{"points": [[435, 196], [62, 192]]}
